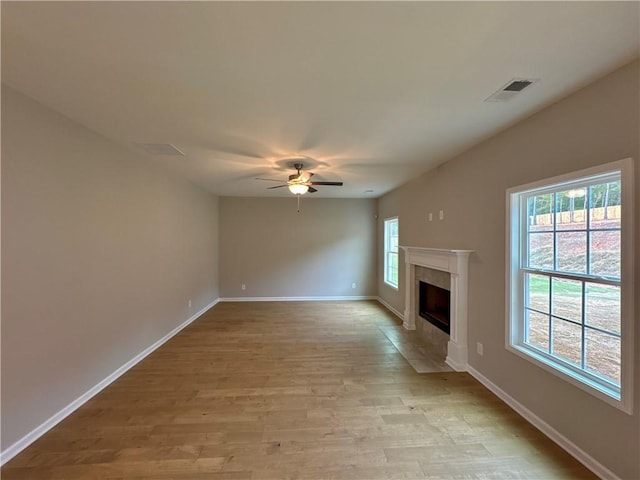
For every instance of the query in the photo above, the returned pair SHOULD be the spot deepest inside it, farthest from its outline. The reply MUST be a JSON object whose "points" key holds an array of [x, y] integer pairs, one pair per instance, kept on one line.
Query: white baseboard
{"points": [[575, 451], [37, 432], [390, 308], [456, 366], [294, 299]]}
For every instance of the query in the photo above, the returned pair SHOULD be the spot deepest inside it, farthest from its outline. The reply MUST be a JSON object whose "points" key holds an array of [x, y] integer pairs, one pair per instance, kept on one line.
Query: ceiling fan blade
{"points": [[306, 176], [312, 190], [335, 184], [269, 179], [277, 186]]}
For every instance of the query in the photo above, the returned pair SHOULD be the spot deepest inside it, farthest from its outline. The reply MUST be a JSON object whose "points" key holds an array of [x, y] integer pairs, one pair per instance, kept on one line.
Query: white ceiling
{"points": [[373, 92]]}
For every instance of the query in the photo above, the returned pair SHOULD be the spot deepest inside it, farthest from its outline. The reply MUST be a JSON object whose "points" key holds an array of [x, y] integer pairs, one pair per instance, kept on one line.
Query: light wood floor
{"points": [[291, 390]]}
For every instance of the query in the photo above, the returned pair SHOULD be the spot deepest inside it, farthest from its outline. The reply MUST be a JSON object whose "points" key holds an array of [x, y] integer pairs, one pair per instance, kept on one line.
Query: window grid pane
{"points": [[392, 271], [574, 232], [602, 307], [566, 341], [538, 331], [603, 354], [391, 244], [537, 293]]}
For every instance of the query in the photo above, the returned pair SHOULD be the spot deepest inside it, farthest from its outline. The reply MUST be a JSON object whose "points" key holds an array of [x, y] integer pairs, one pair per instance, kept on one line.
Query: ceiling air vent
{"points": [[159, 149], [511, 89]]}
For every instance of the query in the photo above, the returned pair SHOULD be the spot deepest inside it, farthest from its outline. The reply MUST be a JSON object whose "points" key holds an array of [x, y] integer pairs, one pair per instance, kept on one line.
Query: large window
{"points": [[391, 251], [569, 278]]}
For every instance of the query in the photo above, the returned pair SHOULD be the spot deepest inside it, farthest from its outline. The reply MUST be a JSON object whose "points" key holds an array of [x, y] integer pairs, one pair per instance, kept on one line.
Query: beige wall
{"points": [[277, 252], [101, 252], [596, 125]]}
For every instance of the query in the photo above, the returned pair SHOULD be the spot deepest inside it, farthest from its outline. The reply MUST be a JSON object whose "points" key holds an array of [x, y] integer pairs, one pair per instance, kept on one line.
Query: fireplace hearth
{"points": [[435, 305]]}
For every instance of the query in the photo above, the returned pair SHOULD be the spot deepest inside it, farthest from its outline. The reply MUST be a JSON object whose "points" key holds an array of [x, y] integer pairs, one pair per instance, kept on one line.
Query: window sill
{"points": [[391, 285], [608, 395]]}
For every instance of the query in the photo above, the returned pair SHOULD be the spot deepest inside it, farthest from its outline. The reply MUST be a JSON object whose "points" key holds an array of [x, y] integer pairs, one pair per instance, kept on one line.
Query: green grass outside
{"points": [[539, 284]]}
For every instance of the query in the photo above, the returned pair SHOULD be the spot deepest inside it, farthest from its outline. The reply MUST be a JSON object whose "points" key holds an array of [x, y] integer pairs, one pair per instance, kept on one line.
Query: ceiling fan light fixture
{"points": [[298, 189]]}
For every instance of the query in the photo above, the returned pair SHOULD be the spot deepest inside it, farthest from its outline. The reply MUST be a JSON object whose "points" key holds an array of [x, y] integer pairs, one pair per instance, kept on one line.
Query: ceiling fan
{"points": [[300, 183]]}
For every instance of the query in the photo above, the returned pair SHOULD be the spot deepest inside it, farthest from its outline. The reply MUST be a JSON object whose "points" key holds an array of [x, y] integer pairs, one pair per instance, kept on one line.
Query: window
{"points": [[569, 278], [391, 251]]}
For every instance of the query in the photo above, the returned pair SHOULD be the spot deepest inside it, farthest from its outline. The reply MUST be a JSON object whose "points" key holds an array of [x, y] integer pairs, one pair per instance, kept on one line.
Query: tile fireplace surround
{"points": [[455, 262]]}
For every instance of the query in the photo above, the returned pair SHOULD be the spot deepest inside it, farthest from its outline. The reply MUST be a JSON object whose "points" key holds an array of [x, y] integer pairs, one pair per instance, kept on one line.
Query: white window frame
{"points": [[622, 397], [387, 223]]}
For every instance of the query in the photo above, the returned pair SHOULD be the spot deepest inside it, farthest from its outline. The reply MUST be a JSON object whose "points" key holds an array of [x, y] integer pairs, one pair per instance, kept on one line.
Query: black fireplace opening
{"points": [[435, 305]]}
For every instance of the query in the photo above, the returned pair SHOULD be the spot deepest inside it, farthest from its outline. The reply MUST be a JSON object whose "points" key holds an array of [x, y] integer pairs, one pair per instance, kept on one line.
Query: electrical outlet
{"points": [[189, 303], [353, 285], [480, 348], [441, 214], [244, 286], [430, 217]]}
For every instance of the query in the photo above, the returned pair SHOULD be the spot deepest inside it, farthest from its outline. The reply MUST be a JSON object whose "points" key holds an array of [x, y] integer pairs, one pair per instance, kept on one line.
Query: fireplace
{"points": [[455, 262], [435, 305]]}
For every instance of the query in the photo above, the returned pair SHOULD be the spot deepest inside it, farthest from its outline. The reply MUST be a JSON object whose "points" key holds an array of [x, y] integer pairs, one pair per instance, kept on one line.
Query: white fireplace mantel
{"points": [[456, 263]]}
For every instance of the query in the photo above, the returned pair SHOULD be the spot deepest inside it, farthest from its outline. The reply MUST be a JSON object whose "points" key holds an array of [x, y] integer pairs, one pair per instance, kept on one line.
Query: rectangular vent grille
{"points": [[510, 89], [518, 85]]}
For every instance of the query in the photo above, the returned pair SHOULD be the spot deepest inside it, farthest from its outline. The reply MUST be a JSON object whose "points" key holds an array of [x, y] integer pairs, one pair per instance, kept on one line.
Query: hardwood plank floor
{"points": [[291, 390]]}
